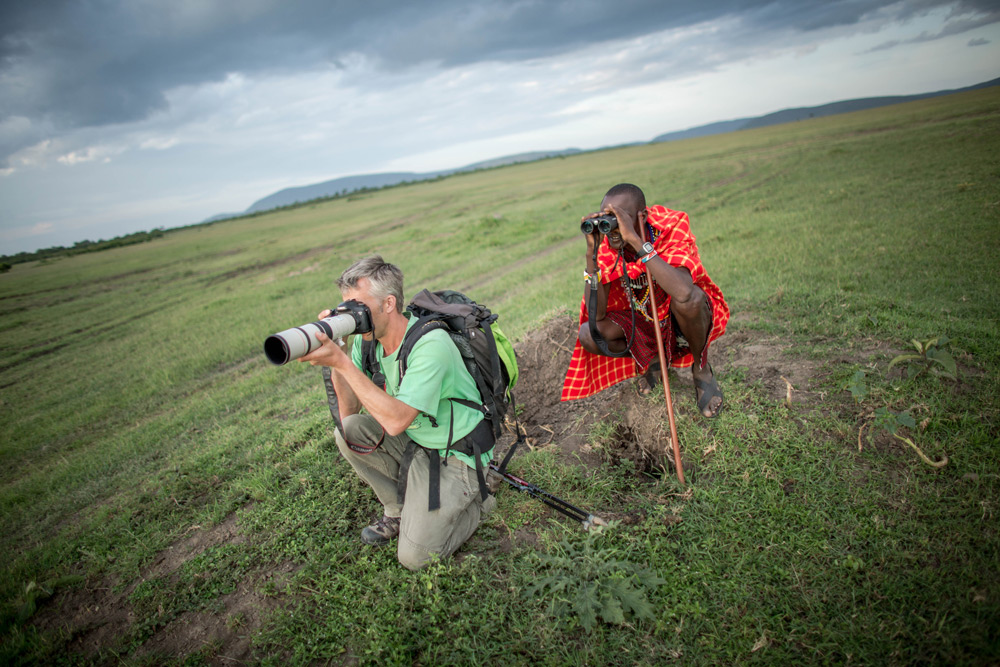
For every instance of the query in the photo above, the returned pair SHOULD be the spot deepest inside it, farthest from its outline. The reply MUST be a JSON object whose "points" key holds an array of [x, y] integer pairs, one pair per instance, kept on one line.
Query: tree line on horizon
{"points": [[7, 261]]}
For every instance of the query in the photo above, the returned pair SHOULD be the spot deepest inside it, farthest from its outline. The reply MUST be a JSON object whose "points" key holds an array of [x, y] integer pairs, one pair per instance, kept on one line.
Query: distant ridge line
{"points": [[804, 113], [349, 184]]}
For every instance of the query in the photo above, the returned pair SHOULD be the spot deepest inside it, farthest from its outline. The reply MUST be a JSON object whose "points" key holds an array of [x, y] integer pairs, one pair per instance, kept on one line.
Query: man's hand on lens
{"points": [[328, 353]]}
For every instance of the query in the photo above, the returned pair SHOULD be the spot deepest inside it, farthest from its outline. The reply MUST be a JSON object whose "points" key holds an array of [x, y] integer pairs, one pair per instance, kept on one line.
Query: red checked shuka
{"points": [[673, 241]]}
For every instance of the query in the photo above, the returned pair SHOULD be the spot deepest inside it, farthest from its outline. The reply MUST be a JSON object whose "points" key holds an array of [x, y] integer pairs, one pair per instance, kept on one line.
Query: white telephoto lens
{"points": [[296, 342]]}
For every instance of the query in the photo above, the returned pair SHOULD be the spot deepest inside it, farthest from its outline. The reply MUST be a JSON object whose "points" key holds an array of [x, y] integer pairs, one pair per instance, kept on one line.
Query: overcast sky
{"points": [[125, 115]]}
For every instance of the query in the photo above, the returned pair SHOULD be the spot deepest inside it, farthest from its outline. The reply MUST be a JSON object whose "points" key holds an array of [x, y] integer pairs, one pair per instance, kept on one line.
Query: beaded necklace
{"points": [[640, 284]]}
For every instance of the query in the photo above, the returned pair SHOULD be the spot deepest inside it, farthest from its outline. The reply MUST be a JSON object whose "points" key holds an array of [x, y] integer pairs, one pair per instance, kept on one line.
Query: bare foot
{"points": [[650, 379]]}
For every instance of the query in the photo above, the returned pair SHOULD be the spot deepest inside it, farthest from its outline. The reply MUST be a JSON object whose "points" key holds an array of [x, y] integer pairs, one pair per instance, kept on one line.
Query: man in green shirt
{"points": [[410, 418]]}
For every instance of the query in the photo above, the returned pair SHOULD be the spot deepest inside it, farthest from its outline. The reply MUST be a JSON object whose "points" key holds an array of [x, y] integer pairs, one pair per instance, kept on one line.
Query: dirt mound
{"points": [[635, 428], [542, 359], [632, 427]]}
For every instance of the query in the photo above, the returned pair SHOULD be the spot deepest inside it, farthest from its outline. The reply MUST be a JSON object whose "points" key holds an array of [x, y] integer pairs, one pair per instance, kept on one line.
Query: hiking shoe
{"points": [[381, 532]]}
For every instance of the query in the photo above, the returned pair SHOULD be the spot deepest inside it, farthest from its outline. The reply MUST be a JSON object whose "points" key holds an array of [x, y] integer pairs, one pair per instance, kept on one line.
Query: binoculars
{"points": [[347, 318], [603, 224]]}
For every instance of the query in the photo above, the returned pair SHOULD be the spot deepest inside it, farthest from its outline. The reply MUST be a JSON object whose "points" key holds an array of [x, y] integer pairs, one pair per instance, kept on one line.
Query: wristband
{"points": [[588, 276], [648, 257]]}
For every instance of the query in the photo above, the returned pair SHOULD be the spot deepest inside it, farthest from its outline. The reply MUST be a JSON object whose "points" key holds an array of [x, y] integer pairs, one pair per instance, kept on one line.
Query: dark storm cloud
{"points": [[955, 27], [70, 64]]}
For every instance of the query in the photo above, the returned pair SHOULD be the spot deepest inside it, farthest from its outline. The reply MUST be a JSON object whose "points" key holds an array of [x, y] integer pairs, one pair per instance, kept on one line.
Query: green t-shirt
{"points": [[435, 372]]}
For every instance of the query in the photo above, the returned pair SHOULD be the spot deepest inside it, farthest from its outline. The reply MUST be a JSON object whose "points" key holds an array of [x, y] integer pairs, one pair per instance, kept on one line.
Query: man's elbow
{"points": [[393, 429], [398, 424]]}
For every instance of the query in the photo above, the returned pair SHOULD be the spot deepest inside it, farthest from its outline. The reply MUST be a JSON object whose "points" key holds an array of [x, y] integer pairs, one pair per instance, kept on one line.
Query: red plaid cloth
{"points": [[590, 373]]}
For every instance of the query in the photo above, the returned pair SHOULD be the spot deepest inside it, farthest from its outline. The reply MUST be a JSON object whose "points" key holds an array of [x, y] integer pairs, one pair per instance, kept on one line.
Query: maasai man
{"points": [[691, 310]]}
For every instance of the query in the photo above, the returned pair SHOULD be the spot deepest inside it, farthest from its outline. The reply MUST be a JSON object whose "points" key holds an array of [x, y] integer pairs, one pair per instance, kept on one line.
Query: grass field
{"points": [[167, 496]]}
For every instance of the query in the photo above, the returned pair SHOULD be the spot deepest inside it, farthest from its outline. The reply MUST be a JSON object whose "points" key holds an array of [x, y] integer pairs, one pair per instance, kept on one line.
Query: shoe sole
{"points": [[375, 541]]}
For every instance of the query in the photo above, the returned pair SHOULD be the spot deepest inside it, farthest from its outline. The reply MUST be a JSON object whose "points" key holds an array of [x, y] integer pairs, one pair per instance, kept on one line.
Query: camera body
{"points": [[358, 312], [603, 224], [348, 318]]}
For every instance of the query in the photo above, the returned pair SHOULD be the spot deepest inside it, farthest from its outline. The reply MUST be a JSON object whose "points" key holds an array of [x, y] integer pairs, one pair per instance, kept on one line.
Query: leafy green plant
{"points": [[891, 420], [858, 386], [930, 357], [587, 580]]}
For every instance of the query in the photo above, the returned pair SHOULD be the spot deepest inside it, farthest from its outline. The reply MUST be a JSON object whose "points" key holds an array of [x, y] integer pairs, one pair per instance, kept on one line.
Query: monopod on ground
{"points": [[586, 518], [663, 369]]}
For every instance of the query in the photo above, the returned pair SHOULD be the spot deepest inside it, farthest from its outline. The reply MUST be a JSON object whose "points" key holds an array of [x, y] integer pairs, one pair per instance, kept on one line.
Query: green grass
{"points": [[137, 408]]}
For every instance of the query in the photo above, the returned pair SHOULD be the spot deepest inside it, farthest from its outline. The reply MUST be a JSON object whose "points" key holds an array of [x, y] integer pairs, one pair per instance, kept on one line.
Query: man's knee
{"points": [[586, 340], [696, 305], [613, 335], [412, 556], [358, 430]]}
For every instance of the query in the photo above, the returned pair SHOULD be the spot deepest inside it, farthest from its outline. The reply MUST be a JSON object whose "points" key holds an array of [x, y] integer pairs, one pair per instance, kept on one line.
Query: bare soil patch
{"points": [[96, 617], [223, 637]]}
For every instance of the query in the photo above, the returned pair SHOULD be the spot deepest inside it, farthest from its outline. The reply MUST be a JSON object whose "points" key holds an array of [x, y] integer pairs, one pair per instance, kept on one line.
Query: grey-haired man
{"points": [[407, 423]]}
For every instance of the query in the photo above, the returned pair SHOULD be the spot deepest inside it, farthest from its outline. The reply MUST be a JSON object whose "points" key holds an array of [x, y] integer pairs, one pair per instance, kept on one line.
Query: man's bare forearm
{"points": [[394, 415], [346, 398]]}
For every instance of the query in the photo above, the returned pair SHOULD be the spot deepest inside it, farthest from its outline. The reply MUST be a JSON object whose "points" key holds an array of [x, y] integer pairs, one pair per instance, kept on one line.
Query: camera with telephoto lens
{"points": [[603, 224], [348, 318]]}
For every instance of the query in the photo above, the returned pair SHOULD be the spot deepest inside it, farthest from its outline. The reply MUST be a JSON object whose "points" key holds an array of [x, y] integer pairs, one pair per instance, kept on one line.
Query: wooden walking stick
{"points": [[663, 368]]}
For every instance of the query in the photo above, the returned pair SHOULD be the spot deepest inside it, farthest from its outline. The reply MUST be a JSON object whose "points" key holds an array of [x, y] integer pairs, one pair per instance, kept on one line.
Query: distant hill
{"points": [[333, 187], [804, 113], [347, 184]]}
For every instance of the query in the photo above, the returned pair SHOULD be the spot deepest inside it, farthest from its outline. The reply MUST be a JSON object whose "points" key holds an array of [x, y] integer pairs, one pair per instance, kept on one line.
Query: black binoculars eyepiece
{"points": [[603, 224]]}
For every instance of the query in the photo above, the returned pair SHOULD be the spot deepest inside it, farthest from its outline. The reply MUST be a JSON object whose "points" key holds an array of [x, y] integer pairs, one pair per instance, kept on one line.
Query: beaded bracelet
{"points": [[588, 276], [648, 257]]}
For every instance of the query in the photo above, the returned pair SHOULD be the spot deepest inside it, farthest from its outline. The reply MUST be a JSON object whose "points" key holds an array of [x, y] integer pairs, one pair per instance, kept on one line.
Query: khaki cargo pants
{"points": [[421, 532]]}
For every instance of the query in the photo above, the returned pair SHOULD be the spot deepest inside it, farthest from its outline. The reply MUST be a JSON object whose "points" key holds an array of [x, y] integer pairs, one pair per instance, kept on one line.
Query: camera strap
{"points": [[595, 335], [331, 399], [371, 364]]}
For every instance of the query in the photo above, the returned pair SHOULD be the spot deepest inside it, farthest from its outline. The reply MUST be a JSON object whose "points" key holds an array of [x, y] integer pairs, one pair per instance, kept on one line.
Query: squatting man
{"points": [[691, 311], [391, 443]]}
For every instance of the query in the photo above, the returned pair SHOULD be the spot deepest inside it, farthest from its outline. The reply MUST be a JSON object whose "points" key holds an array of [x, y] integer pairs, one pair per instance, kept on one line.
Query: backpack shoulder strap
{"points": [[370, 362], [410, 338], [423, 326]]}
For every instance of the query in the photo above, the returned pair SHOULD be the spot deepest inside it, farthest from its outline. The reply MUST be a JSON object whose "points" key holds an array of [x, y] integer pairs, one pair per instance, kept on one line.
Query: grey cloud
{"points": [[954, 27], [69, 64]]}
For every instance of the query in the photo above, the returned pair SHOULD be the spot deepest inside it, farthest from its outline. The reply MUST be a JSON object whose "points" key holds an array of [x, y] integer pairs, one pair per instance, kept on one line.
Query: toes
{"points": [[713, 407]]}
